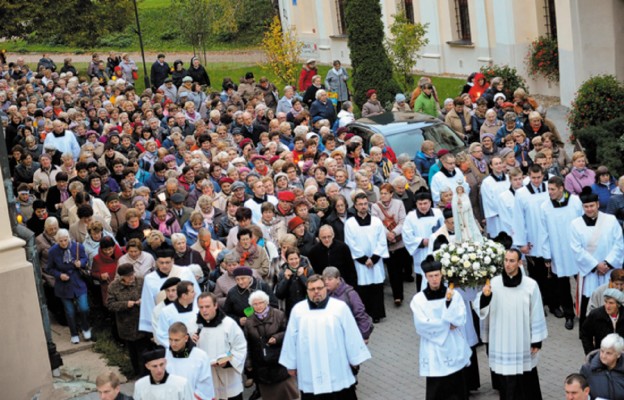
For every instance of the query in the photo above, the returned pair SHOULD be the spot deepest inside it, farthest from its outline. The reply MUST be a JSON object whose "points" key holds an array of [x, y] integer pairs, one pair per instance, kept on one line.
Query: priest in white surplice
{"points": [[366, 237], [160, 384], [444, 351], [596, 243], [417, 229], [183, 309], [151, 294], [449, 176], [507, 200], [322, 345], [557, 214], [186, 360], [491, 187], [517, 327]]}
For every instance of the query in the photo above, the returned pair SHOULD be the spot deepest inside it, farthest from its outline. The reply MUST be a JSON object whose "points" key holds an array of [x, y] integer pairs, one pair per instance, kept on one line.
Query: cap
{"points": [[168, 80], [225, 179], [370, 92], [187, 79], [257, 157], [448, 213], [504, 152], [170, 282], [442, 152], [244, 142], [39, 204], [156, 354], [238, 185], [422, 194], [242, 271], [112, 197], [430, 264], [286, 195], [310, 61], [279, 175], [587, 196], [348, 136], [294, 223], [165, 253], [183, 94], [169, 158], [177, 198], [249, 75], [488, 135], [399, 98], [615, 294]]}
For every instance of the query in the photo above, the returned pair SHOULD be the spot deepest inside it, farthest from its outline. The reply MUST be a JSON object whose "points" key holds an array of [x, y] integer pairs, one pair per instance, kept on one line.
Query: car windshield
{"points": [[443, 136], [410, 141]]}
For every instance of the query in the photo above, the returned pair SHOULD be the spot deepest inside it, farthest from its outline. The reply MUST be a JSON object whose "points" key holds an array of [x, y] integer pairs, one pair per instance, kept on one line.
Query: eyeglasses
{"points": [[316, 289]]}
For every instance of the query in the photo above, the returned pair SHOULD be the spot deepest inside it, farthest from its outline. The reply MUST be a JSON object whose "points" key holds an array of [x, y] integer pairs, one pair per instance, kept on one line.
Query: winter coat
{"points": [[597, 325], [337, 82], [372, 108], [75, 286], [338, 255], [423, 163], [324, 110], [603, 383], [189, 257], [293, 290], [237, 300], [576, 180], [604, 193], [127, 318], [305, 78], [346, 293], [199, 75], [104, 264], [426, 104]]}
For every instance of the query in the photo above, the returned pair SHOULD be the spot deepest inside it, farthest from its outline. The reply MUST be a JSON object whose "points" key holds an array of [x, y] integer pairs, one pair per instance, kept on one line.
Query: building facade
{"points": [[465, 35]]}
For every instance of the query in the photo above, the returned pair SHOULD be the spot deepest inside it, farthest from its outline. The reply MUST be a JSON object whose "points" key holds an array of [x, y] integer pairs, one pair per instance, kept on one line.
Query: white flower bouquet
{"points": [[470, 264]]}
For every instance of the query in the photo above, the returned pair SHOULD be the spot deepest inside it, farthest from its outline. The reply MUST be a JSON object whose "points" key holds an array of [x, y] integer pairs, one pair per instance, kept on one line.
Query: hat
{"points": [[47, 109], [370, 92], [112, 197], [504, 239], [587, 196], [310, 135], [615, 294], [237, 131], [257, 157], [507, 105], [226, 179], [273, 159], [499, 95], [294, 223], [442, 152], [156, 354], [168, 158], [177, 198], [187, 79], [286, 195], [316, 119], [107, 242], [399, 98], [279, 175], [183, 94], [430, 264], [448, 213], [168, 80], [125, 269], [39, 204], [238, 185], [242, 271], [165, 253], [489, 135], [348, 136], [422, 194], [504, 152], [23, 188], [310, 61], [249, 75], [244, 142], [170, 282]]}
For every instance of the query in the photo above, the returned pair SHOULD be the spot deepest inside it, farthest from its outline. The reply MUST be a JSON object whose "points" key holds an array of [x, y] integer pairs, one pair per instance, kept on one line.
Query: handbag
{"points": [[388, 221], [135, 75]]}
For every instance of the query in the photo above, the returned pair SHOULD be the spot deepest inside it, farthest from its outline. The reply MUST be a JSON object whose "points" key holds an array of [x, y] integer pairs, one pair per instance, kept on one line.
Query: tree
{"points": [[407, 39], [282, 50], [372, 68]]}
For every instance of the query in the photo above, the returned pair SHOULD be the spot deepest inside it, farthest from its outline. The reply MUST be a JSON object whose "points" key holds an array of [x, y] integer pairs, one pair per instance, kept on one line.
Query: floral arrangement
{"points": [[542, 58], [470, 264]]}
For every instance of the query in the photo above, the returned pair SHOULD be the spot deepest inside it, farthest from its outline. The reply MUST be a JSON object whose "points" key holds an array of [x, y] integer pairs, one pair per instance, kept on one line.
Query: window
{"points": [[340, 14], [408, 7], [550, 18], [462, 22]]}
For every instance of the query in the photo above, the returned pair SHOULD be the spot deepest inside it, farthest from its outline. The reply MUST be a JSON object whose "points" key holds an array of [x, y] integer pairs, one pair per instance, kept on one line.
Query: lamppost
{"points": [[138, 31]]}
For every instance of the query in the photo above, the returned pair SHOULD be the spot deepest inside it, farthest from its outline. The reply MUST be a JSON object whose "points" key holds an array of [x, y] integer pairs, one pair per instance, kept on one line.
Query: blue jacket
{"points": [[326, 111], [75, 286], [604, 193], [423, 163], [154, 182]]}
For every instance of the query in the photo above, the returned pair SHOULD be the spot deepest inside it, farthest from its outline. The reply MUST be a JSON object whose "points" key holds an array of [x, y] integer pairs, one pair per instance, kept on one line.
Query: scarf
{"points": [[64, 195], [67, 256], [96, 190], [480, 164], [247, 255], [263, 314], [210, 260]]}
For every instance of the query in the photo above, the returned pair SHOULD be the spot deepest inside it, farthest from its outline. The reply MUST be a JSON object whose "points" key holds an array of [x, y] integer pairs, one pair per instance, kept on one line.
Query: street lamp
{"points": [[138, 31]]}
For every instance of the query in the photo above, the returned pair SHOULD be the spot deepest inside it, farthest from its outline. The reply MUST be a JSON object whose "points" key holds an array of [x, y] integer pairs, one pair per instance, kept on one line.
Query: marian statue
{"points": [[466, 228]]}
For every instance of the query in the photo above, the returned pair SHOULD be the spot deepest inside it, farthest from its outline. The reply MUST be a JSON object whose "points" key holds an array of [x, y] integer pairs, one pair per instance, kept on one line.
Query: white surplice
{"points": [[415, 230], [490, 190], [322, 344], [556, 227], [516, 320], [196, 369], [527, 219], [443, 350], [171, 314], [364, 241], [175, 388], [440, 181], [506, 204], [593, 244]]}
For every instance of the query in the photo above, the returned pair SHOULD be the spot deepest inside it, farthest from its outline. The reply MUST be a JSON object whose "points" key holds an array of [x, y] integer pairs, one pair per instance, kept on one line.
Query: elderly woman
{"points": [[66, 259], [491, 124], [305, 239], [580, 176], [95, 233], [323, 108], [140, 203], [392, 213], [536, 126], [372, 106], [133, 228], [237, 299], [250, 254], [339, 289], [414, 180], [205, 206], [141, 261], [310, 94], [264, 331], [603, 320], [164, 221], [604, 370], [184, 255], [446, 197], [604, 187]]}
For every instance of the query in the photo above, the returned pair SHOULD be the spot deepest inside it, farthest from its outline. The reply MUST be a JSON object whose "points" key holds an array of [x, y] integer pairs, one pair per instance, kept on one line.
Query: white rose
{"points": [[492, 269], [450, 274], [487, 260], [484, 273], [471, 249], [446, 255], [460, 250], [466, 264], [451, 248], [473, 257], [445, 262], [476, 265], [454, 259]]}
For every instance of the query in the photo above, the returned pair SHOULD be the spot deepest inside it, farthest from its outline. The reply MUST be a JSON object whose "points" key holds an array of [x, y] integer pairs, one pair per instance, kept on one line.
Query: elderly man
{"points": [[604, 320], [63, 140], [448, 176], [330, 251], [323, 108], [322, 345], [207, 248]]}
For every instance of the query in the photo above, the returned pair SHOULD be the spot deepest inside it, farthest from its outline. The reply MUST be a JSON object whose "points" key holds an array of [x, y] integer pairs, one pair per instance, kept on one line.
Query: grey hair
{"points": [[50, 221], [448, 101], [259, 295], [331, 272], [612, 341], [176, 237], [399, 181], [62, 233], [403, 158], [331, 185], [319, 93]]}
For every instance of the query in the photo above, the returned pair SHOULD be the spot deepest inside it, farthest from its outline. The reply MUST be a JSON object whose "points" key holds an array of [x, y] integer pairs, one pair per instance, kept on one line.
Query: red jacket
{"points": [[103, 264], [305, 78]]}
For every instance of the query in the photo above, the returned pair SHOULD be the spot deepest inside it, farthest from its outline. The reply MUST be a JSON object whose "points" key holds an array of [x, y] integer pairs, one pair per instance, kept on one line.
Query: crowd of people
{"points": [[238, 237]]}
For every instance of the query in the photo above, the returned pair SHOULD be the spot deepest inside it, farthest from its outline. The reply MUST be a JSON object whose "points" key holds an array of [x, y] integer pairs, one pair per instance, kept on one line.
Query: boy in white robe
{"points": [[171, 295], [186, 360], [516, 328], [598, 248], [366, 237], [159, 384], [507, 200], [322, 344], [439, 315], [183, 309], [557, 214], [418, 227], [491, 187]]}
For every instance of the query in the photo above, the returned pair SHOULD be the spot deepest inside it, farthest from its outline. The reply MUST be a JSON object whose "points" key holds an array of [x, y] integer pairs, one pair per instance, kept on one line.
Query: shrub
{"points": [[512, 80], [372, 68], [604, 144], [282, 52], [403, 47], [543, 58], [598, 100]]}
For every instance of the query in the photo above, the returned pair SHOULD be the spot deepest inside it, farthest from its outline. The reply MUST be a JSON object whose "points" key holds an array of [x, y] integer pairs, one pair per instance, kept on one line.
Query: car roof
{"points": [[389, 123]]}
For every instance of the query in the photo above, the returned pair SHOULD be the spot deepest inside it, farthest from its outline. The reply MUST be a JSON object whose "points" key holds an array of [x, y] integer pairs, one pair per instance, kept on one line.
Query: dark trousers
{"points": [[584, 304], [373, 298], [135, 349], [539, 272], [419, 279], [562, 294], [344, 394], [471, 372], [239, 397], [399, 258], [451, 387], [520, 387]]}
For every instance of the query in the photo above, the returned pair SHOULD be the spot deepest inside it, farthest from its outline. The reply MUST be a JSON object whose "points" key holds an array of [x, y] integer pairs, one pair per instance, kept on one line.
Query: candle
{"points": [[487, 291], [449, 293]]}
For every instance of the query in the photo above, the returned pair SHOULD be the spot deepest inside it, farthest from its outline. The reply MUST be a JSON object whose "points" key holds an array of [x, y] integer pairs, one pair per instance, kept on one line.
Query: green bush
{"points": [[116, 40], [512, 80], [604, 144], [598, 100], [372, 68]]}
